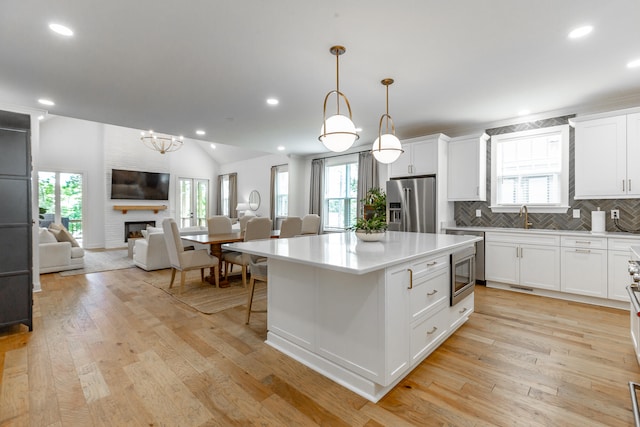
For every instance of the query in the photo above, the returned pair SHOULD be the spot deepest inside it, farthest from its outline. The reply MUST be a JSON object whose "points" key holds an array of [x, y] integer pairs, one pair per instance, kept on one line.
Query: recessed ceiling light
{"points": [[61, 29], [46, 102], [272, 101], [200, 132], [634, 64], [358, 129], [524, 112], [213, 146], [280, 148], [580, 32]]}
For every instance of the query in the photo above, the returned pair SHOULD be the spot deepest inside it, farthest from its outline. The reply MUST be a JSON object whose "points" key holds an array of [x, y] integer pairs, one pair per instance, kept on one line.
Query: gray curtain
{"points": [[219, 207], [368, 177], [233, 195], [316, 192], [272, 198]]}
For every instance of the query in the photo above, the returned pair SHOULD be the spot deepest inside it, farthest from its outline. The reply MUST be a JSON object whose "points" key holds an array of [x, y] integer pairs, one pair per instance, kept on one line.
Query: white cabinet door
{"points": [[584, 271], [425, 158], [540, 267], [601, 158], [467, 168], [419, 158], [397, 325], [402, 166], [618, 275], [502, 262], [633, 155]]}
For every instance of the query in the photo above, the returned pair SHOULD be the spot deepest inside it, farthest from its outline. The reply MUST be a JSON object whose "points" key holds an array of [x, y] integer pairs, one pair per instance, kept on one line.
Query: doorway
{"points": [[60, 196], [194, 202]]}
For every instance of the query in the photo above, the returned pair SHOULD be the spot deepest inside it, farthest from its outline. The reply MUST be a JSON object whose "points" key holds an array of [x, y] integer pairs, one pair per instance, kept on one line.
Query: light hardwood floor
{"points": [[110, 350]]}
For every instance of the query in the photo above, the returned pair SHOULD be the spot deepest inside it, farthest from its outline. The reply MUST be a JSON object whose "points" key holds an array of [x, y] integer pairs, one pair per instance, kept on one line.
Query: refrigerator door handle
{"points": [[406, 209]]}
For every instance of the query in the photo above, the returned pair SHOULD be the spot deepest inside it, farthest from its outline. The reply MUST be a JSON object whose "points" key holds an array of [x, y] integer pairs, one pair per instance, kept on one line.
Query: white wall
{"points": [[94, 149], [255, 174]]}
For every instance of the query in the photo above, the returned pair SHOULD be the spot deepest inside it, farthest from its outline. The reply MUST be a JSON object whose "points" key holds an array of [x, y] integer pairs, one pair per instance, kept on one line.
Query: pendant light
{"points": [[387, 148], [338, 132]]}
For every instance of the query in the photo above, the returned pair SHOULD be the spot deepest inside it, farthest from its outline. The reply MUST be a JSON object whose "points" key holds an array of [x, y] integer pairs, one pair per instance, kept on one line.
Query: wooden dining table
{"points": [[215, 241]]}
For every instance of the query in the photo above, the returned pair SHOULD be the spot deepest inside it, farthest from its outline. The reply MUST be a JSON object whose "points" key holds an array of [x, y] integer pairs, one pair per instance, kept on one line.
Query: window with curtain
{"points": [[227, 195], [340, 192], [530, 168], [281, 191]]}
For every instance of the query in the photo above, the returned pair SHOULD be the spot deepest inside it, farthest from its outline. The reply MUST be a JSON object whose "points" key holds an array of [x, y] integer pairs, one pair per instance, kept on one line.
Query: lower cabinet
{"points": [[617, 263], [523, 261], [573, 263], [584, 266]]}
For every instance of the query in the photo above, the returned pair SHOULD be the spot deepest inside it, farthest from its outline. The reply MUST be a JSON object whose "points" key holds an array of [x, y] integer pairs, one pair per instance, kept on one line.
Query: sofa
{"points": [[58, 250], [150, 251]]}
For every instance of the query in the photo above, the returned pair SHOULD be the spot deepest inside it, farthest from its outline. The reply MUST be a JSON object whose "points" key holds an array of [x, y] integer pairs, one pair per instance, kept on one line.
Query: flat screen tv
{"points": [[136, 185]]}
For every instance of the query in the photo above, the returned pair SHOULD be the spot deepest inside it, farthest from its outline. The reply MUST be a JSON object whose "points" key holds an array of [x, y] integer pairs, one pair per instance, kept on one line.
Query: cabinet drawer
{"points": [[460, 312], [622, 244], [586, 242], [523, 238], [429, 291], [427, 266], [425, 334]]}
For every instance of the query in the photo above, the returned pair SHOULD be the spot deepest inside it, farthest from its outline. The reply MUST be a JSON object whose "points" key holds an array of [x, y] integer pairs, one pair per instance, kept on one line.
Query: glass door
{"points": [[60, 200], [194, 202]]}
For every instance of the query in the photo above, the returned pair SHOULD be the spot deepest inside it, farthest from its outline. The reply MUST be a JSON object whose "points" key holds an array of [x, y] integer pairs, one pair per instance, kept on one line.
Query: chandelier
{"points": [[387, 148], [338, 132], [161, 143]]}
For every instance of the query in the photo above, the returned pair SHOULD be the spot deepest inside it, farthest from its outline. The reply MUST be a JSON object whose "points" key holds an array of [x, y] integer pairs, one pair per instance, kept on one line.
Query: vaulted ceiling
{"points": [[178, 66]]}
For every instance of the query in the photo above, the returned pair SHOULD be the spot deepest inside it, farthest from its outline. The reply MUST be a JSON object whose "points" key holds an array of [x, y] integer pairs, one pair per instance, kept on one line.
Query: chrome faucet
{"points": [[524, 209]]}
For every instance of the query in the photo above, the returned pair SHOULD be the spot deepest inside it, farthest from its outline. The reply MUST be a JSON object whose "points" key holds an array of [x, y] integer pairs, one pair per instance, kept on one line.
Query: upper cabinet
{"points": [[607, 150], [419, 158], [467, 171]]}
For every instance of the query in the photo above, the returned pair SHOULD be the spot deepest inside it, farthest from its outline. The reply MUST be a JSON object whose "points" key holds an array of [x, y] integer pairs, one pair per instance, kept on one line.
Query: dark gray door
{"points": [[15, 219]]}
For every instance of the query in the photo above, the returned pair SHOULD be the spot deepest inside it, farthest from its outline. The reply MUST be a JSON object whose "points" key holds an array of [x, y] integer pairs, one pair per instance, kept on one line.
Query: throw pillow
{"points": [[65, 236], [45, 236]]}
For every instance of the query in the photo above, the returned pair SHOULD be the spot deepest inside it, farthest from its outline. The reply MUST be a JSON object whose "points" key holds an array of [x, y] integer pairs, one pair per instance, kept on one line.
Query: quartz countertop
{"points": [[344, 252], [617, 234]]}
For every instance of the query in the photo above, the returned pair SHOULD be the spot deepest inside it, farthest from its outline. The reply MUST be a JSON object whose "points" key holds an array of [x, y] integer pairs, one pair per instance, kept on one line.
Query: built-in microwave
{"points": [[463, 273]]}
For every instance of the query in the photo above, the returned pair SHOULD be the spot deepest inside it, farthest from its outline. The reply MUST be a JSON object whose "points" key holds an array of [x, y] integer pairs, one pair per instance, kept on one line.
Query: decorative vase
{"points": [[372, 236]]}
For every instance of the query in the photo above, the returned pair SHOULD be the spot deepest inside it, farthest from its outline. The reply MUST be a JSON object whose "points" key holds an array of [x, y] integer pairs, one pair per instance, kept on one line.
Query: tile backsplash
{"points": [[465, 212]]}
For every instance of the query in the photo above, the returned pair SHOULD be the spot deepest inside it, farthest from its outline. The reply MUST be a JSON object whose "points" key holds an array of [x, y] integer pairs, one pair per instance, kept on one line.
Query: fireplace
{"points": [[133, 229]]}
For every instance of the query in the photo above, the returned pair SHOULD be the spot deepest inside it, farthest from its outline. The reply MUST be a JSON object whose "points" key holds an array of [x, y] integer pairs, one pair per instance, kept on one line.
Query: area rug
{"points": [[206, 298], [102, 260]]}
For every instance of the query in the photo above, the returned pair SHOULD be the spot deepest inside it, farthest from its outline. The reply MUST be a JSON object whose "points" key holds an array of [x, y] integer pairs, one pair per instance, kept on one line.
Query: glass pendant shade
{"points": [[338, 133], [387, 148]]}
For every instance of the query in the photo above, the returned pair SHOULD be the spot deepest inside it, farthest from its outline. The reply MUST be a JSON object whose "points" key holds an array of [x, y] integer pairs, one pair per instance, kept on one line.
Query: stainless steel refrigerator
{"points": [[411, 204]]}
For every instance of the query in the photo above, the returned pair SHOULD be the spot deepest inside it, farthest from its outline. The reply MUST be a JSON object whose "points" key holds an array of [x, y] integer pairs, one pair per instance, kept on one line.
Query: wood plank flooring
{"points": [[110, 350]]}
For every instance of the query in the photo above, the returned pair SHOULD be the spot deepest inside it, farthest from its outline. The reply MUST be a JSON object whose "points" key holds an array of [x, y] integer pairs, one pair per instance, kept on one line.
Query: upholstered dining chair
{"points": [[311, 224], [258, 268], [182, 260], [258, 228], [219, 224], [248, 216], [291, 226]]}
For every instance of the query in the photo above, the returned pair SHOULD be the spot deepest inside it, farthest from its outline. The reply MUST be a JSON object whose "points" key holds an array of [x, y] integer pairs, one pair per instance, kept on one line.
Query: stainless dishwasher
{"points": [[479, 251]]}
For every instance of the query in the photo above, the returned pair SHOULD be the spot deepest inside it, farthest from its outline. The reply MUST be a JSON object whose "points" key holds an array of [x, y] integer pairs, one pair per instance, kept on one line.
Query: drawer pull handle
{"points": [[463, 310], [433, 292], [583, 251], [583, 242], [432, 331], [432, 263], [410, 278]]}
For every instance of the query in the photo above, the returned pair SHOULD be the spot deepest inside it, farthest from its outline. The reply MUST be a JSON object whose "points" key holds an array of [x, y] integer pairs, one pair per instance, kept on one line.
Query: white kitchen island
{"points": [[361, 313]]}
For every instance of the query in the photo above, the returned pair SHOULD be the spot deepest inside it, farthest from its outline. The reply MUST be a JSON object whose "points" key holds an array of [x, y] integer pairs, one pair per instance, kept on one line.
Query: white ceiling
{"points": [[176, 66]]}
